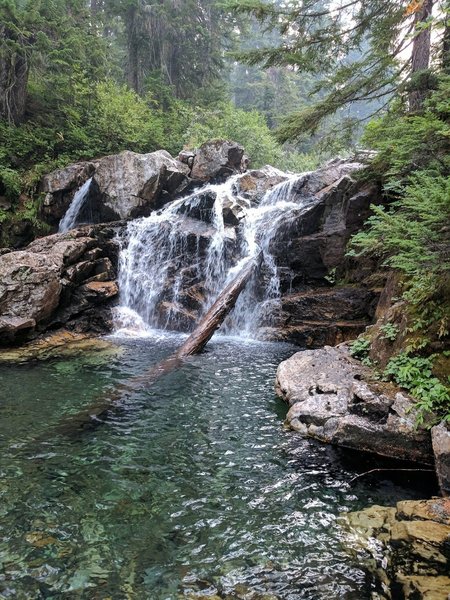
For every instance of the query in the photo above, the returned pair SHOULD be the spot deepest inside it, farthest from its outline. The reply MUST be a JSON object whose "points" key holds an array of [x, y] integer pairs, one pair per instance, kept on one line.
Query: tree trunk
{"points": [[94, 413], [446, 41], [133, 58], [14, 71], [217, 313], [420, 59]]}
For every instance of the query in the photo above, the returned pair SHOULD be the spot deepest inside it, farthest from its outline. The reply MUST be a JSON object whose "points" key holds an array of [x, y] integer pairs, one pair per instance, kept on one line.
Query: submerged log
{"points": [[93, 414]]}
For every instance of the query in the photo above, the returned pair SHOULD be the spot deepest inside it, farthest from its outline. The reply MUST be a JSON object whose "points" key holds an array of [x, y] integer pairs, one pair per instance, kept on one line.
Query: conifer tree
{"points": [[321, 34]]}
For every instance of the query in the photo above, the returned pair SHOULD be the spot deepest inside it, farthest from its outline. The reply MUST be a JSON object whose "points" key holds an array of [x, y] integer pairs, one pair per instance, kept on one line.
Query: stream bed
{"points": [[193, 489]]}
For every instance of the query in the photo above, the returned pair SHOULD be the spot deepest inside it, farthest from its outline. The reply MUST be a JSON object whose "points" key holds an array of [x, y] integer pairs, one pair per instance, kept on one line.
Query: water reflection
{"points": [[193, 489]]}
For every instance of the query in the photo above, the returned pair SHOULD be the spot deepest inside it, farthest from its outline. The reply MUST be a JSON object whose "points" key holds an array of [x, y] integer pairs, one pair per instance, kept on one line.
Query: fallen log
{"points": [[93, 414]]}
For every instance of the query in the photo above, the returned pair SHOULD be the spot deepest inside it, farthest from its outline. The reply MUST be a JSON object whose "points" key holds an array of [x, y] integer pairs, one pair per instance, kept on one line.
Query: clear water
{"points": [[193, 489]]}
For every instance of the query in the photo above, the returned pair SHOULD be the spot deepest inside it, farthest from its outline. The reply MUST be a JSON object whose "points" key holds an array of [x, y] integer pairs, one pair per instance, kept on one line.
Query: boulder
{"points": [[124, 186], [253, 185], [405, 547], [57, 279], [440, 435], [130, 183], [30, 289], [334, 399], [216, 160]]}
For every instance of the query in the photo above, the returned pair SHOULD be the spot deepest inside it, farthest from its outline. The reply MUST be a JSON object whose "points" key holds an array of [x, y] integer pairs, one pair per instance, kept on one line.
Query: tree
{"points": [[16, 44], [319, 36]]}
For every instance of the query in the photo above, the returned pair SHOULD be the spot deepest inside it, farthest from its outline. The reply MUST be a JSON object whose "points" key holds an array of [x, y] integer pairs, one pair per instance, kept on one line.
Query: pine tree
{"points": [[319, 37]]}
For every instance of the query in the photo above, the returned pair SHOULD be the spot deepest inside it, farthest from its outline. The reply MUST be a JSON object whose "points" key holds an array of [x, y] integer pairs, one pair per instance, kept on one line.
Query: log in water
{"points": [[95, 412]]}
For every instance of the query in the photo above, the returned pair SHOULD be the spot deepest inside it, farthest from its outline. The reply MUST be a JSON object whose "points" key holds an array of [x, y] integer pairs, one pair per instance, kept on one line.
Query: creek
{"points": [[196, 488]]}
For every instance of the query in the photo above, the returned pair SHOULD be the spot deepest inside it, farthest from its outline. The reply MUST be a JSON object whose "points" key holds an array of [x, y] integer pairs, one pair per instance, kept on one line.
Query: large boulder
{"points": [[216, 160], [124, 186], [334, 398], [57, 280]]}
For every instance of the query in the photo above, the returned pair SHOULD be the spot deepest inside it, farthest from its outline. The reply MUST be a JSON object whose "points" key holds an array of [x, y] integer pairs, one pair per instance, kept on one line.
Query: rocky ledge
{"points": [[335, 399], [406, 548], [60, 280]]}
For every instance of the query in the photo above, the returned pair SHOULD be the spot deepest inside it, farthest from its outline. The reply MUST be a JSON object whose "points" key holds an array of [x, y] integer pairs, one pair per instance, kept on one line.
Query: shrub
{"points": [[415, 374]]}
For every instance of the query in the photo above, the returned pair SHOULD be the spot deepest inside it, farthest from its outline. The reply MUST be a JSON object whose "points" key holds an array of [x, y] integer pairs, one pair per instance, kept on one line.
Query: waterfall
{"points": [[174, 263], [70, 218]]}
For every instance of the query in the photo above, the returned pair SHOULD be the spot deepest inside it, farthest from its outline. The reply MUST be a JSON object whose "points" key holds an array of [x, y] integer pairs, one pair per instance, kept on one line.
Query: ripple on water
{"points": [[193, 488]]}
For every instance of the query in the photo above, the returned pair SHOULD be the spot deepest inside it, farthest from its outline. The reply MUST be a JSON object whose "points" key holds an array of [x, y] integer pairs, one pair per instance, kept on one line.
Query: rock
{"points": [[316, 317], [129, 183], [254, 184], [215, 161], [333, 399], [61, 344], [124, 186], [407, 547], [30, 288], [440, 436], [56, 279]]}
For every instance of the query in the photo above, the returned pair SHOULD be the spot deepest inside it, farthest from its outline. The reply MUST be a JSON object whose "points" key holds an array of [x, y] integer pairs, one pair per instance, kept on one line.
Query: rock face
{"points": [[130, 185], [406, 548], [124, 186], [440, 436], [216, 160], [60, 279], [333, 399]]}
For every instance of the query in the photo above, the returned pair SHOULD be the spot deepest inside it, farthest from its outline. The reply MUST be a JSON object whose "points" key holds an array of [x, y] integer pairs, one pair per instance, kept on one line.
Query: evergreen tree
{"points": [[320, 35]]}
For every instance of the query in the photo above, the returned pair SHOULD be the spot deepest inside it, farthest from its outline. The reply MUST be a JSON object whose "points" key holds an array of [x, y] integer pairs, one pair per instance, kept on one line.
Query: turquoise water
{"points": [[193, 488]]}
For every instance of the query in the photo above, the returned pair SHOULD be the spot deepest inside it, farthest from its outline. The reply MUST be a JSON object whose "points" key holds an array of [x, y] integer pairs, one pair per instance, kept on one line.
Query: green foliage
{"points": [[407, 143], [354, 52], [415, 374], [412, 237], [360, 348], [250, 129], [390, 331], [10, 183]]}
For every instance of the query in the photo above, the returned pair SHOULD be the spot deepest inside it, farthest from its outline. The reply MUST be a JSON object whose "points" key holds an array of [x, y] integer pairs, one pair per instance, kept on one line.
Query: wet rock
{"points": [[254, 184], [316, 317], [440, 436], [406, 548], [333, 399], [215, 161], [61, 344], [56, 279]]}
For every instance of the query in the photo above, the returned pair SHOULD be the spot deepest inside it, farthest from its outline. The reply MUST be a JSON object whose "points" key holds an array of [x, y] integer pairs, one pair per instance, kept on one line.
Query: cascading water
{"points": [[70, 218], [175, 262]]}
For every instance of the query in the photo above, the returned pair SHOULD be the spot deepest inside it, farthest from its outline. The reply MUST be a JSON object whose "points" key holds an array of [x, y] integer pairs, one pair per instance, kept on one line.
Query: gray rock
{"points": [[125, 186], [217, 160], [254, 184], [440, 436], [333, 399], [55, 280], [129, 183]]}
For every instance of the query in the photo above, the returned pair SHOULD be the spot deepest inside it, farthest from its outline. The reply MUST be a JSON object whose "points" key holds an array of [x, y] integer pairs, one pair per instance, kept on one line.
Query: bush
{"points": [[415, 374]]}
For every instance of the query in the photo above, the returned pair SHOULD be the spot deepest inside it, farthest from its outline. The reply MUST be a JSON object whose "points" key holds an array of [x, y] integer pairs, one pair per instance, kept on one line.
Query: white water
{"points": [[70, 218], [162, 260]]}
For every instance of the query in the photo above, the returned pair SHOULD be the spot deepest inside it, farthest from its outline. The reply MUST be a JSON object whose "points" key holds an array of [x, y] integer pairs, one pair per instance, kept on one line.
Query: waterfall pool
{"points": [[193, 490]]}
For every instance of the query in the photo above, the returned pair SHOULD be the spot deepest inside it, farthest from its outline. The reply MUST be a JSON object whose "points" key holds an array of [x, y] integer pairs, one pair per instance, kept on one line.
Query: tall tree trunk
{"points": [[14, 71], [133, 58], [446, 41], [420, 60]]}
